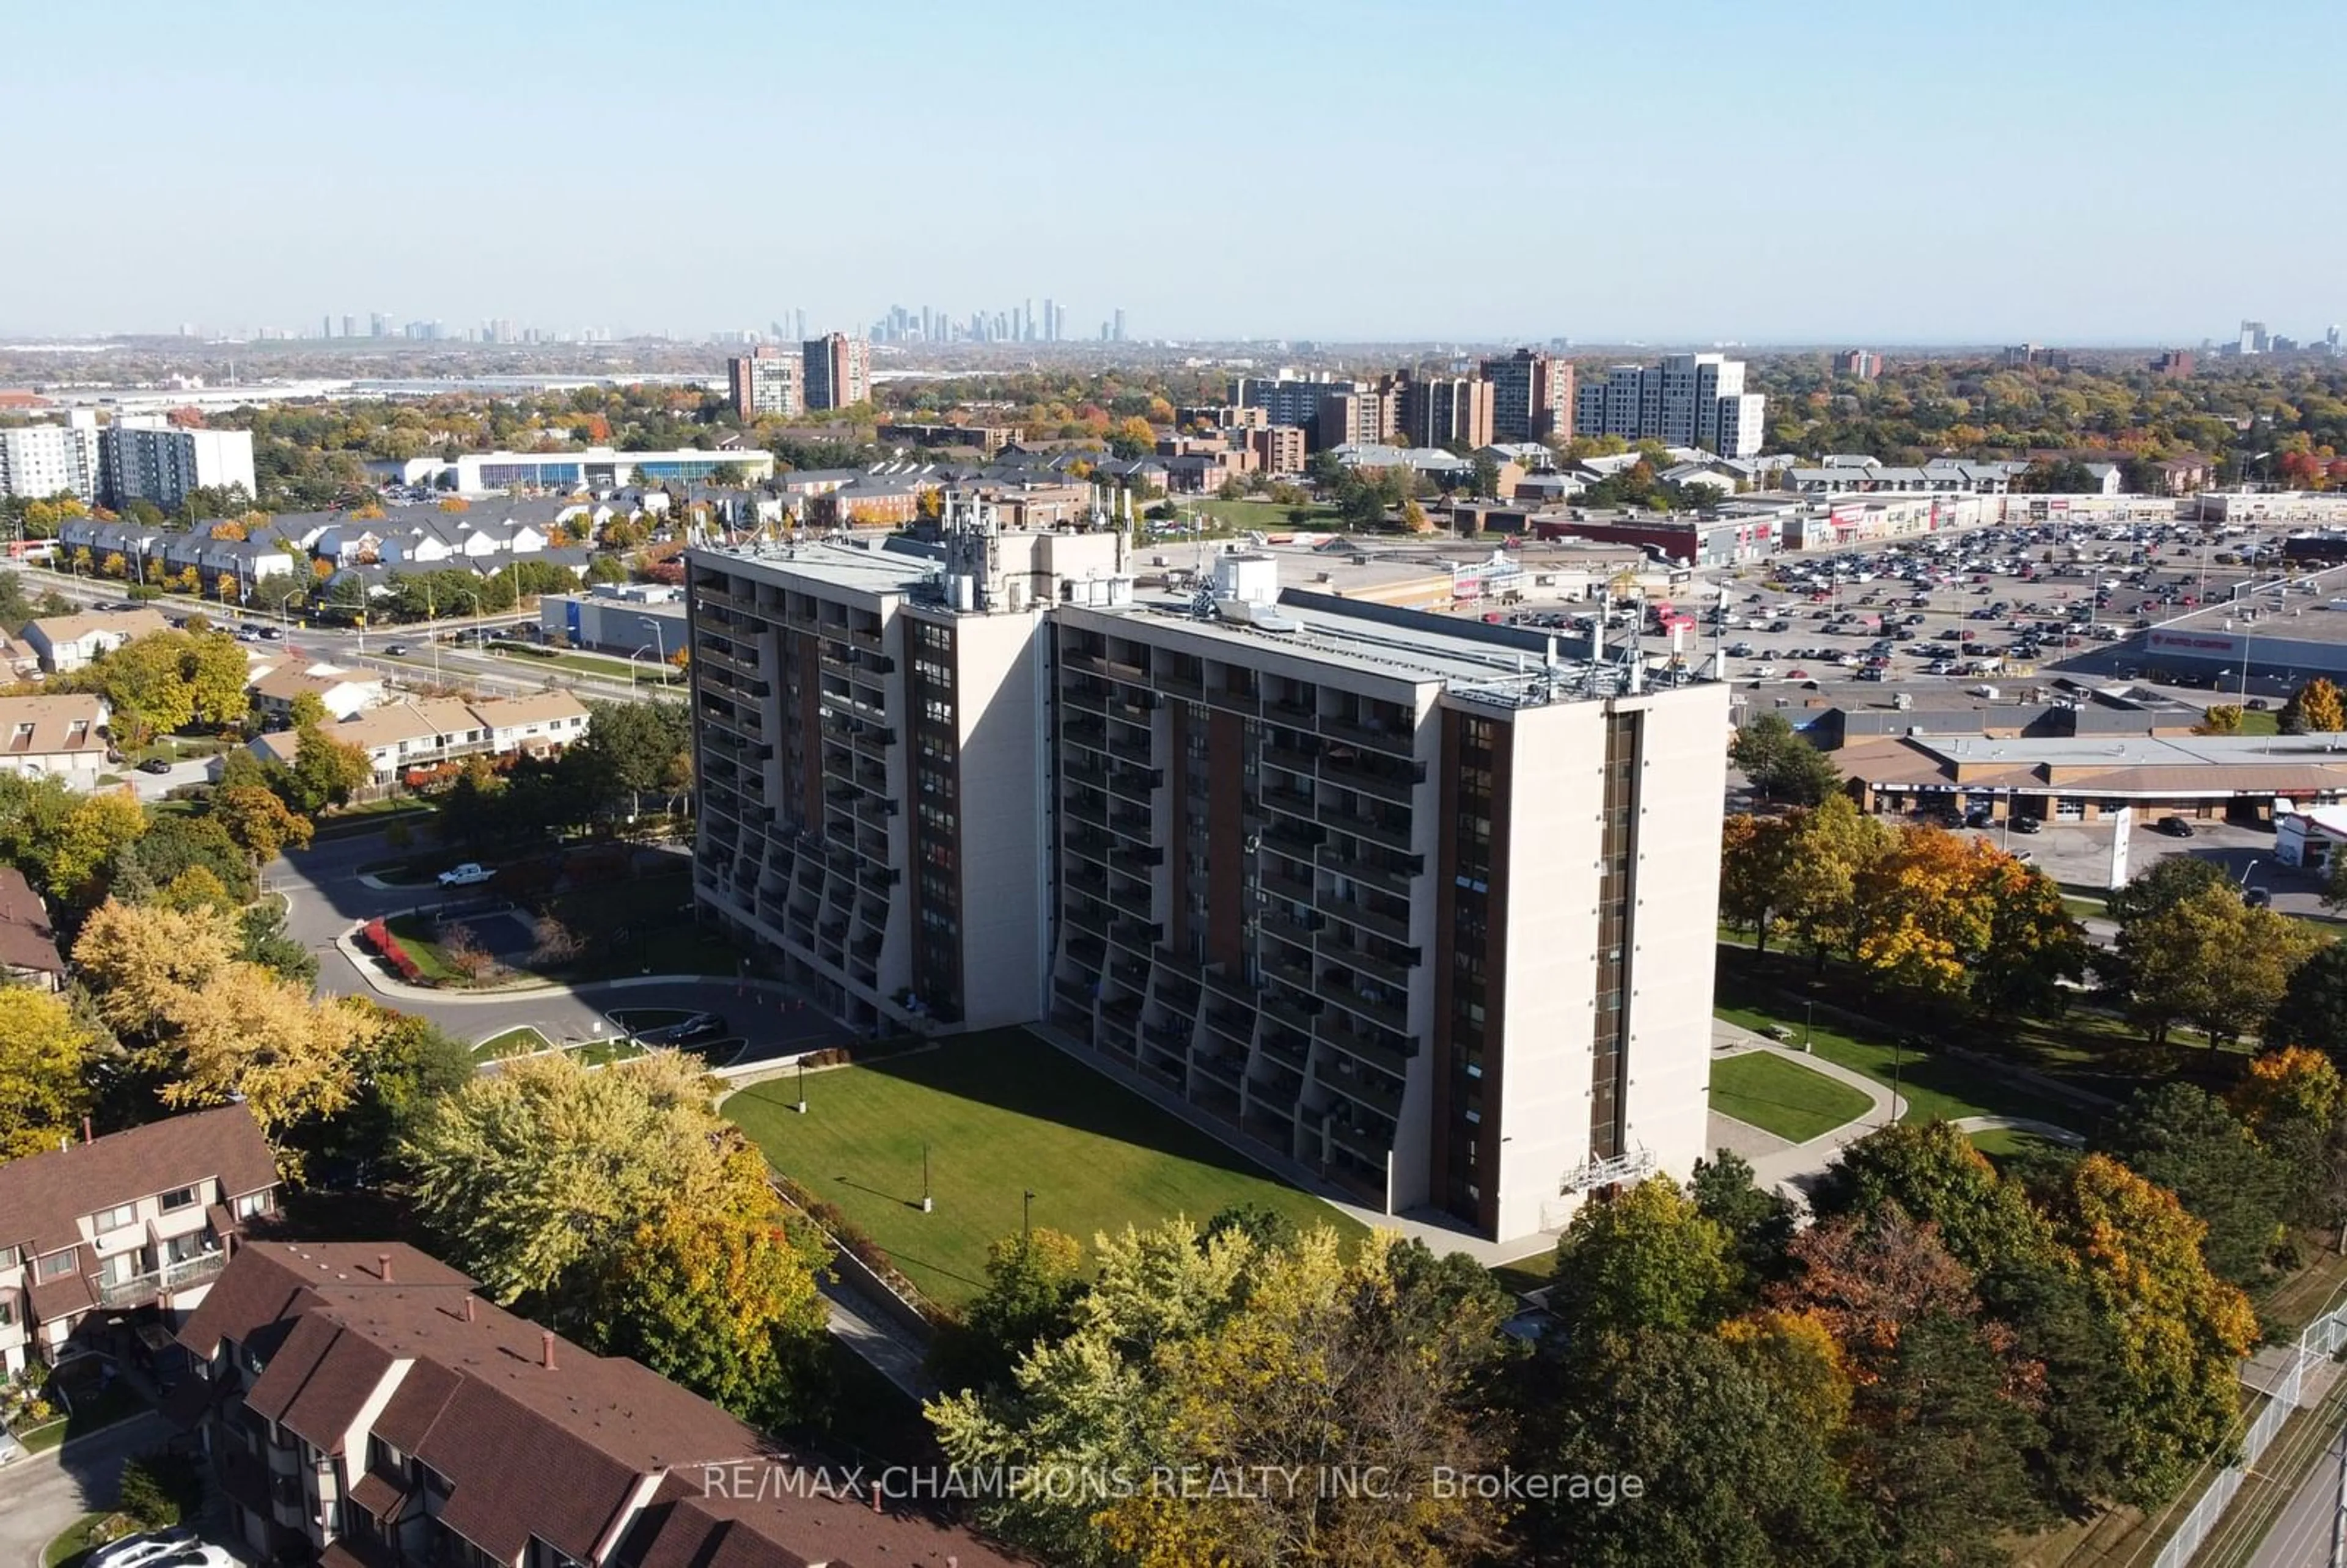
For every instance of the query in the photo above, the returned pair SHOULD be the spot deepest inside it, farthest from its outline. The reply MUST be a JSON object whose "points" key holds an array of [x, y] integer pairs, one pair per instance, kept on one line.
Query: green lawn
{"points": [[1260, 516], [1527, 1273], [1937, 1088], [1000, 1112], [2260, 721], [414, 934], [86, 1535], [521, 1041], [644, 669], [1782, 1097], [93, 1407]]}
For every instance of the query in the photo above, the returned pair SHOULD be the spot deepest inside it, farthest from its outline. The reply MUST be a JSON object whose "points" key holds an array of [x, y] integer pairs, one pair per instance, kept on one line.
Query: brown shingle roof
{"points": [[28, 940], [317, 1382], [69, 724], [557, 1452], [43, 1197], [56, 629]]}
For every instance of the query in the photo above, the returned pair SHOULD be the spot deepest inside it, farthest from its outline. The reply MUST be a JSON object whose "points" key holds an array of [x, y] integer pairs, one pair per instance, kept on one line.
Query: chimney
{"points": [[383, 1266], [469, 1308], [546, 1342], [84, 1128]]}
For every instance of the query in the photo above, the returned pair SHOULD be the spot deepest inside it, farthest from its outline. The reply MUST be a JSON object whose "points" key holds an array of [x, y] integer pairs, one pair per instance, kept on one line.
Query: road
{"points": [[326, 899], [40, 1494], [2301, 1537]]}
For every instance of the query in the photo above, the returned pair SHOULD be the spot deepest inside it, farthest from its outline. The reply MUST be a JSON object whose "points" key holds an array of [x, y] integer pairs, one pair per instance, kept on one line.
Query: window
{"points": [[179, 1198], [251, 1203], [57, 1265], [115, 1218]]}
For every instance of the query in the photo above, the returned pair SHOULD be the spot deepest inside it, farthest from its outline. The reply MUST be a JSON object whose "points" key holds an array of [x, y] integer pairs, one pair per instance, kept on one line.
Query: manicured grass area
{"points": [[603, 1053], [1260, 516], [1937, 1086], [2085, 908], [414, 934], [86, 1535], [520, 1042], [1000, 1112], [93, 1407], [1782, 1097], [2256, 722], [1527, 1273]]}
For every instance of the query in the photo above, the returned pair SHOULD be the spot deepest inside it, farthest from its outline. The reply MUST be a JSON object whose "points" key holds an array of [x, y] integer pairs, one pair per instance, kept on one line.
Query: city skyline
{"points": [[1694, 249]]}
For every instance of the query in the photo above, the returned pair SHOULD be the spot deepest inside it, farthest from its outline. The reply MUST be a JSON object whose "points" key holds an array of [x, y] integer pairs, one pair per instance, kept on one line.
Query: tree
{"points": [[1487, 475], [263, 941], [1373, 1366], [2222, 718], [1831, 851], [258, 822], [607, 569], [176, 843], [1033, 1280], [2315, 708], [1758, 1223], [630, 750], [1929, 1172], [66, 843], [403, 1066], [308, 709], [2179, 1332], [527, 1172], [726, 1306], [2179, 1137], [324, 772], [1781, 764], [1731, 1467], [44, 1063], [2206, 957], [2313, 1006], [1646, 1258]]}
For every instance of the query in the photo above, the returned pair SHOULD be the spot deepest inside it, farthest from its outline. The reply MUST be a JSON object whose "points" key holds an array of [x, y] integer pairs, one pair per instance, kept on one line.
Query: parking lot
{"points": [[1976, 608]]}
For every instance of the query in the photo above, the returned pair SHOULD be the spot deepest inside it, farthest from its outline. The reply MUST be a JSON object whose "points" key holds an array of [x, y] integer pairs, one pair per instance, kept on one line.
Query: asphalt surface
{"points": [[325, 899], [41, 1495], [2301, 1537]]}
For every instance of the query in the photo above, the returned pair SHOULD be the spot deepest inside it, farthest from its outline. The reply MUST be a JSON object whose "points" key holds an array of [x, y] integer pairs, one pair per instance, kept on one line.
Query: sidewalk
{"points": [[1792, 1170]]}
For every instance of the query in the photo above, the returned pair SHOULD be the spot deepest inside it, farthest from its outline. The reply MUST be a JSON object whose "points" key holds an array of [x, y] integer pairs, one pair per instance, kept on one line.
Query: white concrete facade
{"points": [[39, 461], [149, 459]]}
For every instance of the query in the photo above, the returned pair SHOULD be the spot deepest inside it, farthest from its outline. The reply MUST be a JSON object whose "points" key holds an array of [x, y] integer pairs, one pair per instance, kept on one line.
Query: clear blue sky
{"points": [[1996, 170]]}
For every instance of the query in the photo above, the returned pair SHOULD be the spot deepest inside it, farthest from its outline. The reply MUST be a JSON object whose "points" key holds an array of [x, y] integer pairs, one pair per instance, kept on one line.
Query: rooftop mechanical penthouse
{"points": [[1411, 901]]}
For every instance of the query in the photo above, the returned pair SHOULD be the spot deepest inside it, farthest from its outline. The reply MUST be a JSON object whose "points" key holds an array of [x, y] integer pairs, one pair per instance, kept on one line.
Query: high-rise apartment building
{"points": [[1532, 397], [44, 460], [144, 458], [1414, 902], [1447, 411], [1688, 400], [1118, 324], [838, 371], [765, 381], [1859, 363], [1355, 415]]}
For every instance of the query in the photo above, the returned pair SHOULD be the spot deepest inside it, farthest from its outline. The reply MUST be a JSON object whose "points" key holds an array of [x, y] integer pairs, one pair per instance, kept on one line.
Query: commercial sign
{"points": [[2214, 644]]}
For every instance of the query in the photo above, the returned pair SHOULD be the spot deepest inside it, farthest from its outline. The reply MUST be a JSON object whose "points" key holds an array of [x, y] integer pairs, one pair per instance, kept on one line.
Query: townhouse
{"points": [[64, 644], [135, 1224], [346, 693], [362, 1408], [416, 732], [60, 737], [28, 942]]}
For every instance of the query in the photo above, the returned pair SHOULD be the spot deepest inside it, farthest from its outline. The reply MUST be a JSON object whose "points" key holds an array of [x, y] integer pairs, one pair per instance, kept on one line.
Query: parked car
{"points": [[1980, 816], [156, 765], [272, 633], [2026, 825], [2173, 826], [2258, 897], [471, 873], [700, 1026], [140, 1550]]}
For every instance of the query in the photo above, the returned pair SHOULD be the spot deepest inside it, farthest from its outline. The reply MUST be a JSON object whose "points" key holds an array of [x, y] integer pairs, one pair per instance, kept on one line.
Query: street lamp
{"points": [[1027, 1215], [927, 1202], [647, 648], [802, 1104]]}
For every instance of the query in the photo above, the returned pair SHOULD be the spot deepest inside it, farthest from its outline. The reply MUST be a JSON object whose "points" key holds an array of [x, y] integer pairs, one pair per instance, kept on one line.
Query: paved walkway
{"points": [[2031, 1125], [1794, 1168], [893, 1352], [42, 1494]]}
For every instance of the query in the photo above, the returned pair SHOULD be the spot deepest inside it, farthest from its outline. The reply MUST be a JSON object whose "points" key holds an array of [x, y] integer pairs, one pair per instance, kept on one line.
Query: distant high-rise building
{"points": [[1532, 397], [2253, 337], [350, 326], [1059, 323], [1688, 400], [1447, 411], [766, 382], [1027, 331], [326, 328], [2175, 364], [838, 371], [38, 461], [1050, 321], [1120, 324], [1355, 415], [147, 458], [1861, 363], [379, 325], [2330, 339]]}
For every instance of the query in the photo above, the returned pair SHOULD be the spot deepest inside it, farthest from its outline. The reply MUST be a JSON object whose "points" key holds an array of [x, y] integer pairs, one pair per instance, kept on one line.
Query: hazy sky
{"points": [[1973, 170]]}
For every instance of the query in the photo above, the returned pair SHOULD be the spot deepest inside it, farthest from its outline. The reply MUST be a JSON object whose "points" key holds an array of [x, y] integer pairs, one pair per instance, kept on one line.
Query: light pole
{"points": [[802, 1104], [647, 648], [1027, 1216], [927, 1203]]}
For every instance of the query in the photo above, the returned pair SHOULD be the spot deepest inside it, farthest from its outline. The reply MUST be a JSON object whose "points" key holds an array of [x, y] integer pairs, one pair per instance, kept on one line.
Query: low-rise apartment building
{"points": [[420, 733], [1409, 901], [61, 737], [134, 1222], [345, 694], [360, 1407]]}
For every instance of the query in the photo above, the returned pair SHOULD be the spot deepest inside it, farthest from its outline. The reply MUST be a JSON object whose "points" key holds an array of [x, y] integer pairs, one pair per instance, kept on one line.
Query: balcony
{"points": [[1087, 916], [1373, 1002], [1084, 694], [1129, 749], [1224, 1069], [1279, 885], [1294, 1012], [1085, 807], [1295, 802], [1137, 934], [1231, 1024], [140, 1289], [1378, 1046], [1093, 883], [1380, 873], [1142, 854], [1292, 839], [1374, 1090], [1135, 783], [1091, 845], [1388, 733], [1371, 774], [1288, 965], [1090, 733], [1086, 774], [1136, 825], [1289, 711], [1291, 759], [1375, 1147], [1359, 913], [1385, 970], [1287, 1047], [1391, 828]]}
